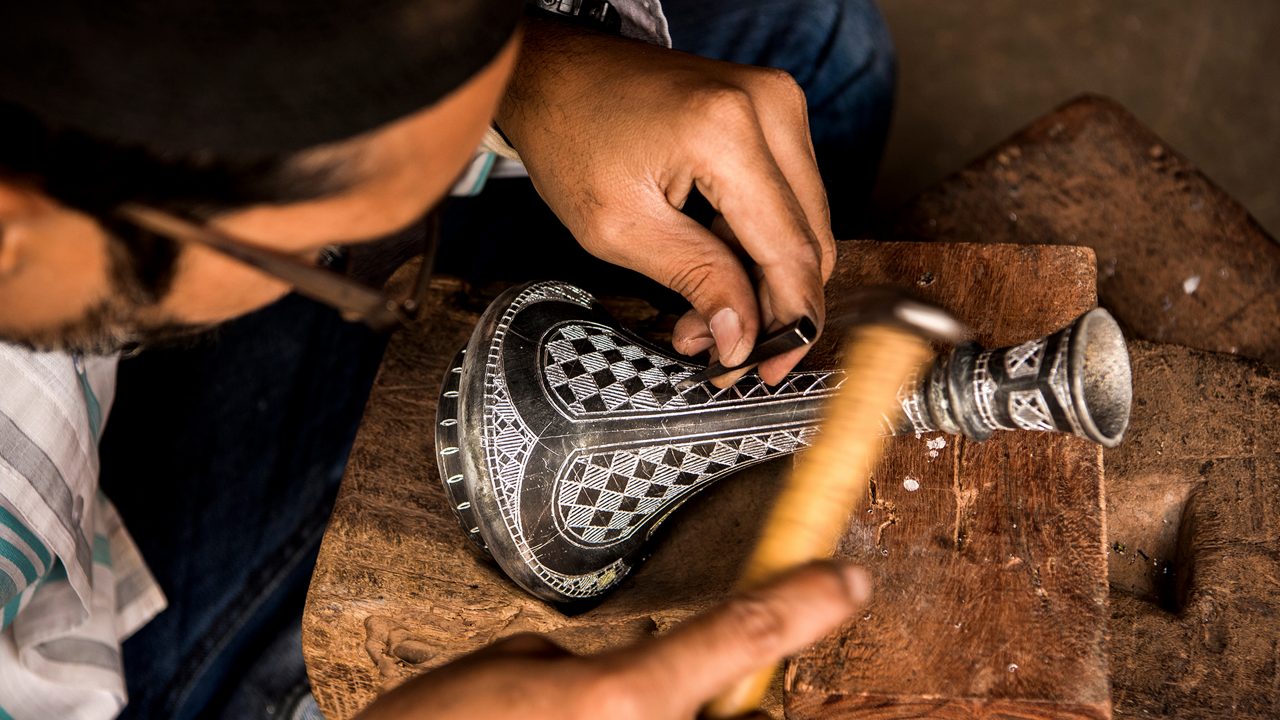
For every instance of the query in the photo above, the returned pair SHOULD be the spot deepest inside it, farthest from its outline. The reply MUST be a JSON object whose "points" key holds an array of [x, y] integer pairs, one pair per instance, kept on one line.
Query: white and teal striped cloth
{"points": [[72, 584]]}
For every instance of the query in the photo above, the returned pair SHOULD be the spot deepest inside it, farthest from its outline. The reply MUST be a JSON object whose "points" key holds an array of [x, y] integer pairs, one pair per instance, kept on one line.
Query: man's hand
{"points": [[616, 134], [672, 676]]}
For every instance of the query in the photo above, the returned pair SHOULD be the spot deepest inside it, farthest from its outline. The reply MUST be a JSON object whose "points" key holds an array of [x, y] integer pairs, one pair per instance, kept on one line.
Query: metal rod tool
{"points": [[785, 339]]}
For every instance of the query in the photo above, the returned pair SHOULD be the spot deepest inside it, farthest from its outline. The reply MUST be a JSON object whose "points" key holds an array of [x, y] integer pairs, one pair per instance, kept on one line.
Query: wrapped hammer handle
{"points": [[830, 478]]}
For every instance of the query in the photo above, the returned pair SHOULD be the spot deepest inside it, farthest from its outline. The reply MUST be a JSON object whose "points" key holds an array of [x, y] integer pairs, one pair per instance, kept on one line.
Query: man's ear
{"points": [[18, 197], [24, 213], [12, 209]]}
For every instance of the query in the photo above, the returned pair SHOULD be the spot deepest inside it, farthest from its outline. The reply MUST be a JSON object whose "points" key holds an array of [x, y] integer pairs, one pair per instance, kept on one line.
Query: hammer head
{"points": [[884, 305]]}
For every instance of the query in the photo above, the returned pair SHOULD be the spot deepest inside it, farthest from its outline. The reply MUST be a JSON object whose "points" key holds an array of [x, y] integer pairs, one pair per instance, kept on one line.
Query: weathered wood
{"points": [[990, 578], [1193, 503], [1191, 493], [988, 601], [396, 592], [1179, 261]]}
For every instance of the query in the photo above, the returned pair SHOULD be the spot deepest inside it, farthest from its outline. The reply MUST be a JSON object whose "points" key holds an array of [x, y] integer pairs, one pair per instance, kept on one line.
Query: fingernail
{"points": [[726, 327], [695, 345], [856, 583]]}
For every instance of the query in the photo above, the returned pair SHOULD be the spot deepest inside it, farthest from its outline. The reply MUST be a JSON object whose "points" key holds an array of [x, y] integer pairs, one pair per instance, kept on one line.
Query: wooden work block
{"points": [[988, 597], [988, 557], [1179, 261], [1193, 519], [396, 590], [1191, 524]]}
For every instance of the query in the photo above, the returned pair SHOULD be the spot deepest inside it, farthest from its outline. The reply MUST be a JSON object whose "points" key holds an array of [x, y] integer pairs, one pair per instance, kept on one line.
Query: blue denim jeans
{"points": [[224, 457], [840, 53]]}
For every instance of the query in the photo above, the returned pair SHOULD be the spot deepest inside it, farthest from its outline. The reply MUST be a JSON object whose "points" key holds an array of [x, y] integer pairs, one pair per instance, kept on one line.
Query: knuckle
{"points": [[760, 623], [806, 260], [830, 251], [781, 85], [692, 279], [724, 104], [829, 256], [817, 257], [617, 692], [601, 235]]}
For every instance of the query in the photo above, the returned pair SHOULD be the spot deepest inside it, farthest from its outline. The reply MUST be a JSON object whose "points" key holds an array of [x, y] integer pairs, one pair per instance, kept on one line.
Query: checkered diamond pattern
{"points": [[637, 379], [593, 369], [603, 497]]}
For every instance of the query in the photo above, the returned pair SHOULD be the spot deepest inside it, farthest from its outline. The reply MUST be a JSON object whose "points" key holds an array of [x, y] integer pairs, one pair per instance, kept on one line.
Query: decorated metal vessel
{"points": [[564, 440]]}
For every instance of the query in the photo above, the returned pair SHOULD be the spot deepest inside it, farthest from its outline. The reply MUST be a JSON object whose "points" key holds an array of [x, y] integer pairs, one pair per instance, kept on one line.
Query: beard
{"points": [[140, 272], [109, 328]]}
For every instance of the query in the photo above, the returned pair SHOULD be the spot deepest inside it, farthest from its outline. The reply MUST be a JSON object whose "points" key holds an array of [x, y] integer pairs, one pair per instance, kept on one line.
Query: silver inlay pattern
{"points": [[592, 370], [1024, 360], [1029, 410], [507, 443], [603, 497]]}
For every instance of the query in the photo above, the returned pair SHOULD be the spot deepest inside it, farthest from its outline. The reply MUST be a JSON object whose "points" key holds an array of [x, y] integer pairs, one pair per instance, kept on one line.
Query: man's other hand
{"points": [[616, 134], [672, 676]]}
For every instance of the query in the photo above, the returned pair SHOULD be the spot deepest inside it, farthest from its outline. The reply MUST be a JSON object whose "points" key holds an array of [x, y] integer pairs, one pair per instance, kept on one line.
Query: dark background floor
{"points": [[1204, 74]]}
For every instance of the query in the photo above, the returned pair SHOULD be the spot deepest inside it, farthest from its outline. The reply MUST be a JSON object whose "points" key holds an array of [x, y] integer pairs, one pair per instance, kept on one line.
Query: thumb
{"points": [[749, 632]]}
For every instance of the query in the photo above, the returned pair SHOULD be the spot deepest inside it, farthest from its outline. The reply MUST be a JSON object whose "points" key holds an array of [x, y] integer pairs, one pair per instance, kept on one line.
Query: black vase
{"points": [[563, 440]]}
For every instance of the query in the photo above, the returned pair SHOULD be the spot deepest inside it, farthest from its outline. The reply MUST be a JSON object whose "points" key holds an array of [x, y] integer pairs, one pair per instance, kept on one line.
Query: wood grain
{"points": [[1194, 539], [396, 591], [1179, 260], [1192, 522], [997, 560]]}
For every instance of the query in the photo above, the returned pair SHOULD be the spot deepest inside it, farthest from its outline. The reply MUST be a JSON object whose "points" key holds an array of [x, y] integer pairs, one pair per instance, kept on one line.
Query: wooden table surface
{"points": [[1193, 522], [1193, 528], [991, 582]]}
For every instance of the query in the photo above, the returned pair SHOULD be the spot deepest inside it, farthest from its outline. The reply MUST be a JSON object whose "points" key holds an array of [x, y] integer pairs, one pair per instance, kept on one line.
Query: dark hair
{"points": [[95, 175]]}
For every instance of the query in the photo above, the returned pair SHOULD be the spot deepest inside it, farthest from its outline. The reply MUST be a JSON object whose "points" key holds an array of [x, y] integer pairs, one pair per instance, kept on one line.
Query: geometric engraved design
{"points": [[1029, 410], [507, 443], [911, 398], [594, 370], [567, 445], [984, 390], [1024, 359], [604, 496], [1060, 383]]}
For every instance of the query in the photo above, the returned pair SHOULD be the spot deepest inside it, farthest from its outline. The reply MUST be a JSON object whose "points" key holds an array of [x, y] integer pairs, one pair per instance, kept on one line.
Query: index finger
{"points": [[785, 123], [742, 179], [749, 632]]}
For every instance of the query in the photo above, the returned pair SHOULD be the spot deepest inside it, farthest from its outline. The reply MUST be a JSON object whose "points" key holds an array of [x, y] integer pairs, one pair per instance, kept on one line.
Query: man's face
{"points": [[66, 282]]}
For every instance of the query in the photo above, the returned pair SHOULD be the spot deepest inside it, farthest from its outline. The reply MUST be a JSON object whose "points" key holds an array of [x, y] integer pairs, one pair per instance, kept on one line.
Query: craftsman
{"points": [[315, 130]]}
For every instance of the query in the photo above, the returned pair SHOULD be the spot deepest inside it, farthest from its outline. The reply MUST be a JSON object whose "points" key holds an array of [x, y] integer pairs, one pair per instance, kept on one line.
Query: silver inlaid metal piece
{"points": [[564, 441]]}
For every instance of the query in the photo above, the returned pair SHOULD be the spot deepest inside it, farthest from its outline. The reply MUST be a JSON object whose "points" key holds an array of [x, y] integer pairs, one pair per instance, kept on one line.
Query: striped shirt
{"points": [[72, 584]]}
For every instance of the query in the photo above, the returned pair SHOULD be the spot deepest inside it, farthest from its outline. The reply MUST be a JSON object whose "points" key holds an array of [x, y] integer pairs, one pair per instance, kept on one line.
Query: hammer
{"points": [[888, 340]]}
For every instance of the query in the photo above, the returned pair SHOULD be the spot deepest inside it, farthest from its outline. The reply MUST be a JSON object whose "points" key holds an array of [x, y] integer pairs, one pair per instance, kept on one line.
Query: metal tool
{"points": [[875, 304], [783, 340]]}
